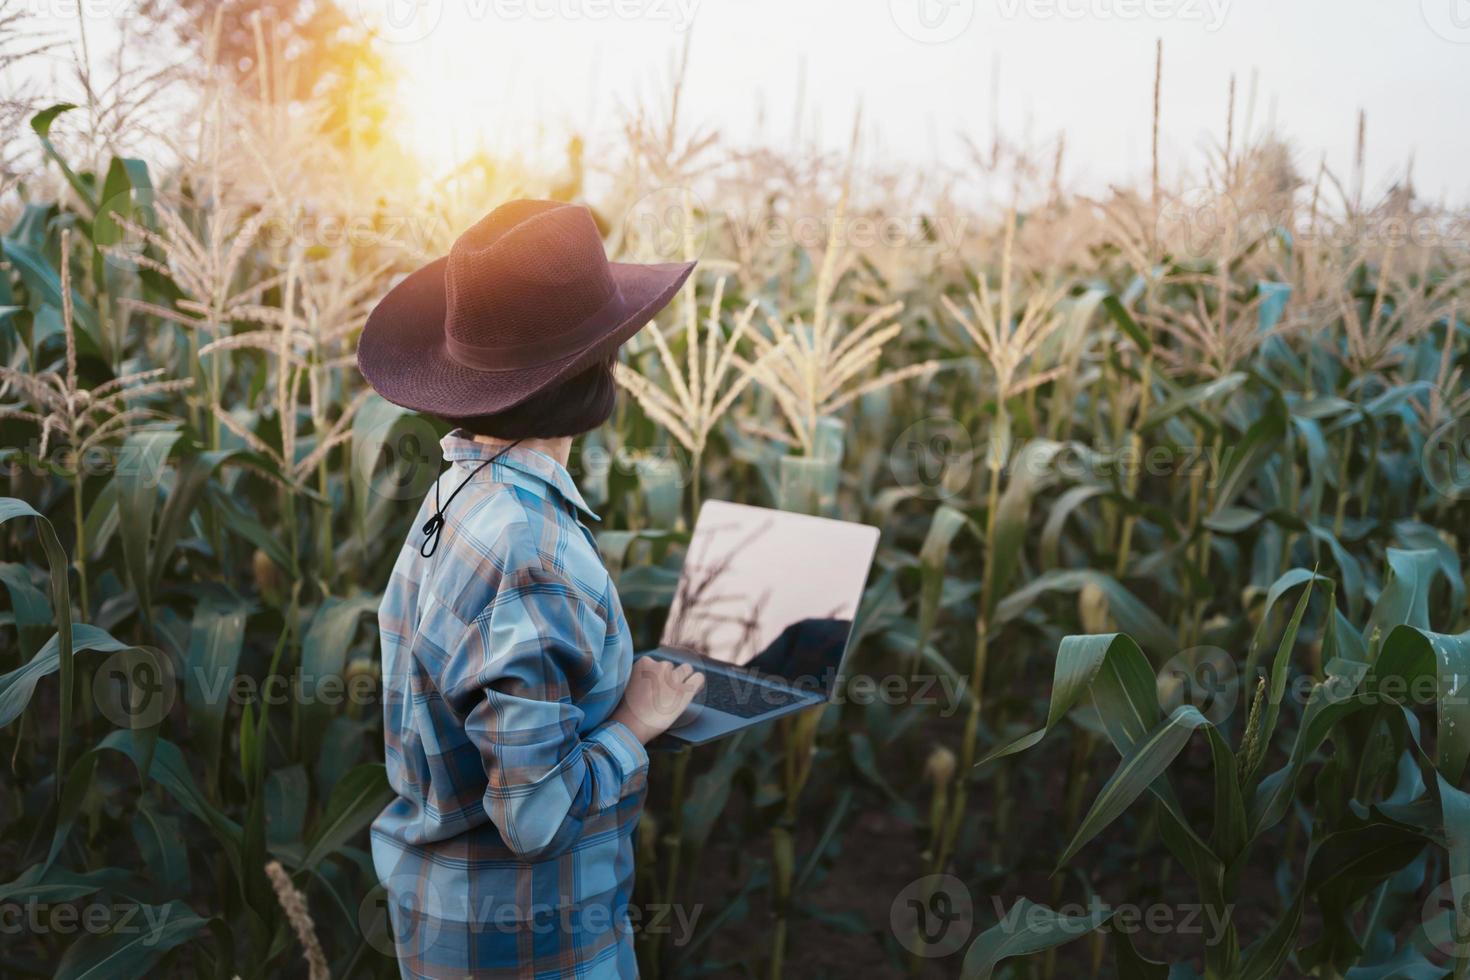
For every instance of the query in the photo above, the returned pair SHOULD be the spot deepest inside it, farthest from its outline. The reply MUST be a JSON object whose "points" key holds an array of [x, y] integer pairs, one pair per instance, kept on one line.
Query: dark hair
{"points": [[577, 405]]}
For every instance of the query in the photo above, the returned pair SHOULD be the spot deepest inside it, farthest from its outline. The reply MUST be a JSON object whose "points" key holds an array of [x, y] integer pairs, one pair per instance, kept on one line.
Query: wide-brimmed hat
{"points": [[524, 299]]}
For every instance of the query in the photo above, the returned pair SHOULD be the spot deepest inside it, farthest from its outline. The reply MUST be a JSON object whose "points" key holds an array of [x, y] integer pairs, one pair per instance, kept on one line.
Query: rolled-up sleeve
{"points": [[522, 668]]}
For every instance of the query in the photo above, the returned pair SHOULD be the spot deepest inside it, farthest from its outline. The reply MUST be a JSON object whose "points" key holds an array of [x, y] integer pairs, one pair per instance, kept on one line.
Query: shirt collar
{"points": [[462, 447]]}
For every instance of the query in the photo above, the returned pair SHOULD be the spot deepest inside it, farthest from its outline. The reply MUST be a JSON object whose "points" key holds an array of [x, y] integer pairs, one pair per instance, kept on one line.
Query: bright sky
{"points": [[507, 73], [923, 71]]}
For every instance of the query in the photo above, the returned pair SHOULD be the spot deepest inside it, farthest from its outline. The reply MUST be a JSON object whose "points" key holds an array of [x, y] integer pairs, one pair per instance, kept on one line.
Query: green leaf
{"points": [[1056, 519], [933, 565], [170, 771], [1030, 471], [1288, 580], [356, 800], [161, 848], [324, 652], [1328, 705], [10, 509], [17, 686], [1194, 397], [138, 485], [41, 122], [286, 794], [1261, 442], [1131, 965], [660, 480], [1274, 296], [39, 886], [139, 939], [1027, 928], [1139, 769], [1232, 520], [1127, 324], [1408, 964], [241, 522], [1404, 600], [44, 282], [1279, 671], [216, 638], [191, 478], [1266, 958], [1131, 615], [33, 616], [1413, 663], [1111, 668]]}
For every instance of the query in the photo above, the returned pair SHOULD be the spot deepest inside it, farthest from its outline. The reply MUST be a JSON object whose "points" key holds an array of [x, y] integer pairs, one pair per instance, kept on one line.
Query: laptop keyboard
{"points": [[741, 697]]}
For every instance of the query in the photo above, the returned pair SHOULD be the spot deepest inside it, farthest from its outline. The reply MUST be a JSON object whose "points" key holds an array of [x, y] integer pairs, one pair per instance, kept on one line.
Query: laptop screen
{"points": [[772, 591]]}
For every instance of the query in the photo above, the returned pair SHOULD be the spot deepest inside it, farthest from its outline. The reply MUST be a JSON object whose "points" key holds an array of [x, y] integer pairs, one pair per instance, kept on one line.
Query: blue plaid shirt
{"points": [[508, 849]]}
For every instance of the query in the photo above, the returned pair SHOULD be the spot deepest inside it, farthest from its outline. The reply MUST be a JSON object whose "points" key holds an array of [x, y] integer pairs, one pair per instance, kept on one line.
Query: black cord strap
{"points": [[435, 524]]}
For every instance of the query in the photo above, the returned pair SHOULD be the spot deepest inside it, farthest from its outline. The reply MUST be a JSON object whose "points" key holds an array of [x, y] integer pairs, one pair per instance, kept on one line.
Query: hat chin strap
{"points": [[434, 526], [541, 350]]}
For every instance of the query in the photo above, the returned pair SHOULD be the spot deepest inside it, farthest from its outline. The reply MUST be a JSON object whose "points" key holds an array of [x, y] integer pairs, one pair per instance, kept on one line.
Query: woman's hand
{"points": [[658, 691]]}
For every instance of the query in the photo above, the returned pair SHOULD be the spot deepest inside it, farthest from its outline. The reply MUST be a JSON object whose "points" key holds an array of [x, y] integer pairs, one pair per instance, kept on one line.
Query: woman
{"points": [[515, 717]]}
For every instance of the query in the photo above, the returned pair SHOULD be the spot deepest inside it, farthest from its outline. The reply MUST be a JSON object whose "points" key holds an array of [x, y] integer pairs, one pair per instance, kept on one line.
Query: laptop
{"points": [[764, 610]]}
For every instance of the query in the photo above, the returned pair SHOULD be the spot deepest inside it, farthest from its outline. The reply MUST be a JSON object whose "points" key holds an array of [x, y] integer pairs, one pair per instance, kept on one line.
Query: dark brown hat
{"points": [[524, 299]]}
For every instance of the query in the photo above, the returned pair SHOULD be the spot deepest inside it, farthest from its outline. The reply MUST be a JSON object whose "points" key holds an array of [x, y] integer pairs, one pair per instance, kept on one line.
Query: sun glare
{"points": [[469, 83]]}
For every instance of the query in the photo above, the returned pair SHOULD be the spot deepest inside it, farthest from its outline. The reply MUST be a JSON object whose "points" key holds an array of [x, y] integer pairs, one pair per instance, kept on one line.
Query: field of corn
{"points": [[1158, 674]]}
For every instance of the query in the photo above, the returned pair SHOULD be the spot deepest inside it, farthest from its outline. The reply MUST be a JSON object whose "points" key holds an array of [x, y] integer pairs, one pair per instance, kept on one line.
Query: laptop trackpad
{"points": [[691, 714]]}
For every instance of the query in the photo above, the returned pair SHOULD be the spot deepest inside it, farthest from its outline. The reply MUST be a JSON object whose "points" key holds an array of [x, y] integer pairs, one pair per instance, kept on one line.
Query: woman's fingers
{"points": [[689, 688]]}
